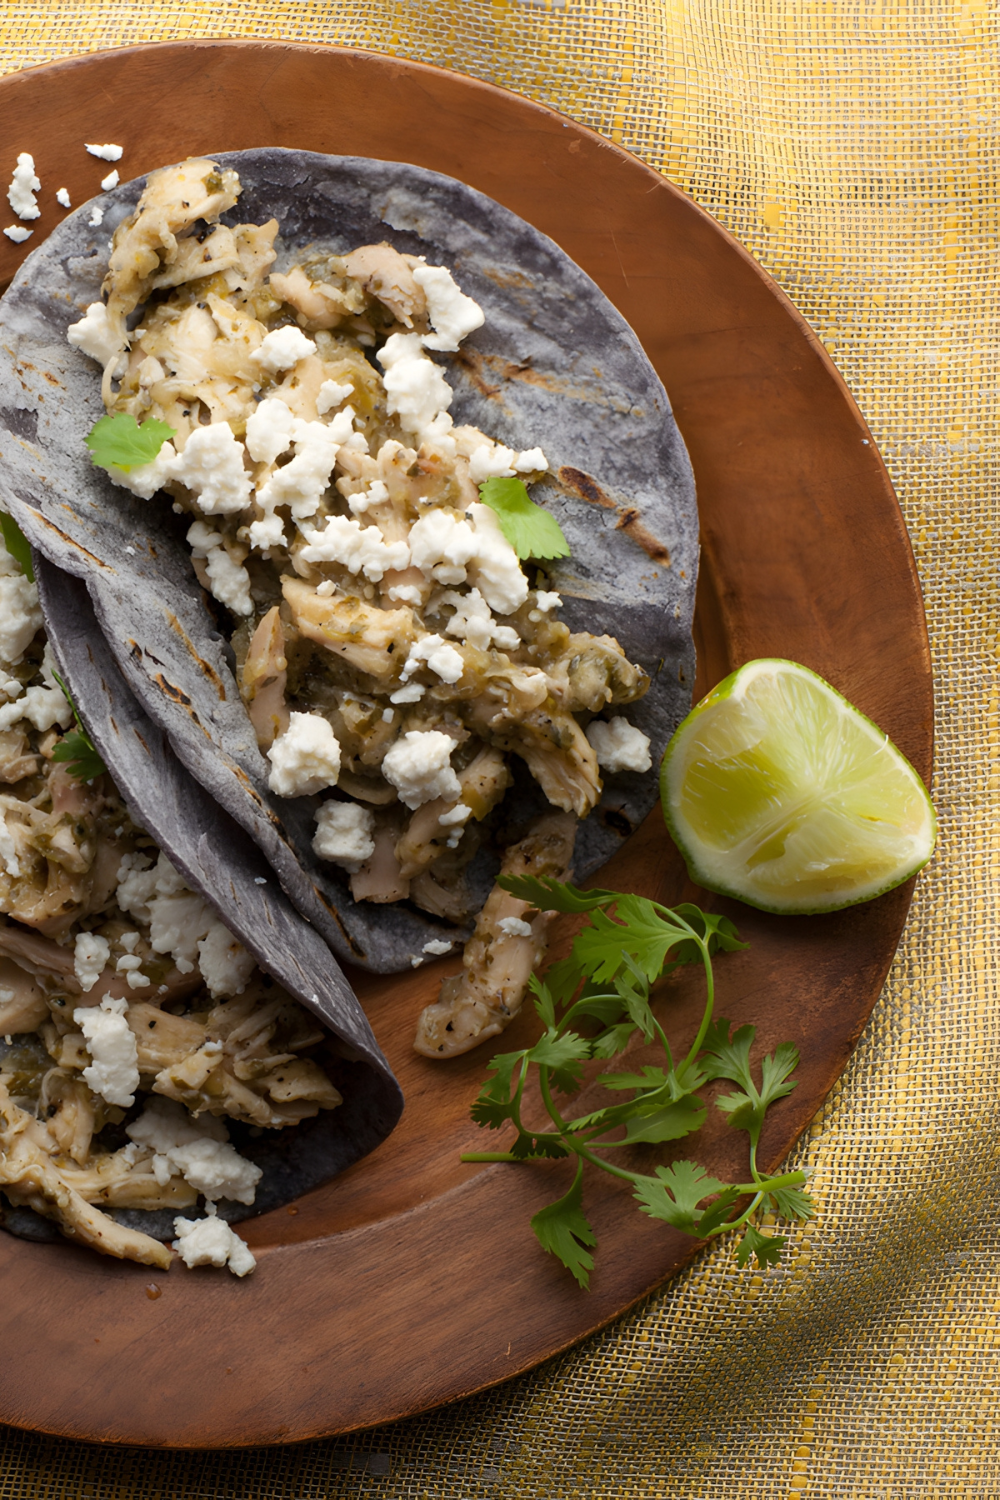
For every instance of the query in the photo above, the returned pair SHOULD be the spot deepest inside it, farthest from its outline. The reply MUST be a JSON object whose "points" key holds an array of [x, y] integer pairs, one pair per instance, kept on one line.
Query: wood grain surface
{"points": [[413, 1279]]}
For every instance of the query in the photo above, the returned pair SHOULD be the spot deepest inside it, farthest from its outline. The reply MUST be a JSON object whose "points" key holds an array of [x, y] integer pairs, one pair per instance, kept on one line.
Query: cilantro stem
{"points": [[706, 1020]]}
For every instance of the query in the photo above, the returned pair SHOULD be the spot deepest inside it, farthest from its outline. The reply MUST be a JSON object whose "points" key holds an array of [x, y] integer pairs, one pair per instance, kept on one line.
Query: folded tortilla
{"points": [[555, 365], [221, 863]]}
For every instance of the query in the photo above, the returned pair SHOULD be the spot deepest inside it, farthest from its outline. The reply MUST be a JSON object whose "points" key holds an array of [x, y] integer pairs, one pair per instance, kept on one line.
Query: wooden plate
{"points": [[413, 1279]]}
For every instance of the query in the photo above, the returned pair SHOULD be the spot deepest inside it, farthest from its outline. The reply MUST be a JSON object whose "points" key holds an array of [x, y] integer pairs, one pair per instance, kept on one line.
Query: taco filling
{"points": [[396, 650], [133, 1025]]}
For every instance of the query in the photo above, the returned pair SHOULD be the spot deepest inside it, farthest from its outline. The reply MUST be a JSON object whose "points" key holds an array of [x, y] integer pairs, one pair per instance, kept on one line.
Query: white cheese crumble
{"points": [[455, 819], [418, 765], [23, 186], [18, 233], [459, 814], [90, 958], [305, 759], [182, 924], [443, 660], [360, 549], [411, 693], [344, 834], [442, 545], [269, 431], [211, 466], [20, 616], [437, 947], [619, 746], [198, 1150], [514, 927], [302, 483], [146, 479], [493, 461], [452, 314], [373, 495], [96, 216], [114, 1072], [94, 336], [41, 706], [225, 964], [331, 394], [496, 569], [474, 624], [547, 599], [211, 1242], [111, 181], [106, 153], [415, 388], [8, 847], [281, 349], [228, 580], [63, 199]]}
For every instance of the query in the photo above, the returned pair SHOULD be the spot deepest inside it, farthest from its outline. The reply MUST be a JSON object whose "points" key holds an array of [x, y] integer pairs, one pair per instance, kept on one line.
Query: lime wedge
{"points": [[779, 792]]}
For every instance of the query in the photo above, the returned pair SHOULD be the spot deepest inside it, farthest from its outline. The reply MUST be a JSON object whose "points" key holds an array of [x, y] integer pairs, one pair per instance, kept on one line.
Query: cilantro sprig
{"points": [[592, 1005], [531, 531], [118, 442], [77, 749]]}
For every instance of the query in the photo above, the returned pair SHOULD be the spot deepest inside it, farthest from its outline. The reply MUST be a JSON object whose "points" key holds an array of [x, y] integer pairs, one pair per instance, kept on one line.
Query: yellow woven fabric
{"points": [[851, 145]]}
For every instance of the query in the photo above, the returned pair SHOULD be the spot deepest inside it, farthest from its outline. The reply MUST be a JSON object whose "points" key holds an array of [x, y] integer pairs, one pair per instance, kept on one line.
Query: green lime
{"points": [[779, 792]]}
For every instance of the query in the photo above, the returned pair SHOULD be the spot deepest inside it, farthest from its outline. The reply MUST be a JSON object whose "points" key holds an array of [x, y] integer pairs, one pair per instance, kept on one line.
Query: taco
{"points": [[173, 1028], [389, 695]]}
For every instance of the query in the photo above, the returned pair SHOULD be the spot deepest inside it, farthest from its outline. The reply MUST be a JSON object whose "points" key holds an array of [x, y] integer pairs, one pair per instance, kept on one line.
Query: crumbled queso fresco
{"points": [[395, 654], [23, 187]]}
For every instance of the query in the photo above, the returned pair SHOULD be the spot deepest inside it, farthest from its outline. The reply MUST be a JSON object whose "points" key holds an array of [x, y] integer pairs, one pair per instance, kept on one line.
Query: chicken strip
{"points": [[498, 961]]}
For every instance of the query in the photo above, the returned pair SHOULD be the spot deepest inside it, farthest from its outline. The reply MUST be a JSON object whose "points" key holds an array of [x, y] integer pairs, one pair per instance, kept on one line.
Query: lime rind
{"points": [[780, 793]]}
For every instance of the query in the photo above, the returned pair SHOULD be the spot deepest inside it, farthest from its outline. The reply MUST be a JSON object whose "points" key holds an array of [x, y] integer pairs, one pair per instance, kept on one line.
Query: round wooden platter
{"points": [[415, 1279]]}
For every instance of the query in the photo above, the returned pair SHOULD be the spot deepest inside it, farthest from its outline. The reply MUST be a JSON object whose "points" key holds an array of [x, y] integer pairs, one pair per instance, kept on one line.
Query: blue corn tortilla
{"points": [[555, 365]]}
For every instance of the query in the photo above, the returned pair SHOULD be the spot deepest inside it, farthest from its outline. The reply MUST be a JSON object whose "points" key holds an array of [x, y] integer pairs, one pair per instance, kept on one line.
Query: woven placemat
{"points": [[851, 146]]}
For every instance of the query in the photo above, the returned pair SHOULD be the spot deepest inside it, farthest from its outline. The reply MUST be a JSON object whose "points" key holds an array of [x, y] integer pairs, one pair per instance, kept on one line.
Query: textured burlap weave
{"points": [[852, 146]]}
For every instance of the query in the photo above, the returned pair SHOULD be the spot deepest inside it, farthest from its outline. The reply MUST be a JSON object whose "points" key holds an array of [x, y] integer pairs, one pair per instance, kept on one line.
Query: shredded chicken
{"points": [[496, 965]]}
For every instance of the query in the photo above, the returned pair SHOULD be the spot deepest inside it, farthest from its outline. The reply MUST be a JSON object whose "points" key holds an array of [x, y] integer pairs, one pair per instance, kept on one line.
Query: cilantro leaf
{"points": [[669, 1124], [716, 1216], [766, 1247], [562, 980], [531, 531], [82, 760], [563, 1230], [718, 931], [17, 545], [612, 1041], [118, 442], [77, 749], [548, 894], [544, 1001], [675, 1194], [640, 929], [564, 1056], [729, 1057], [791, 1203], [494, 1105], [649, 1078]]}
